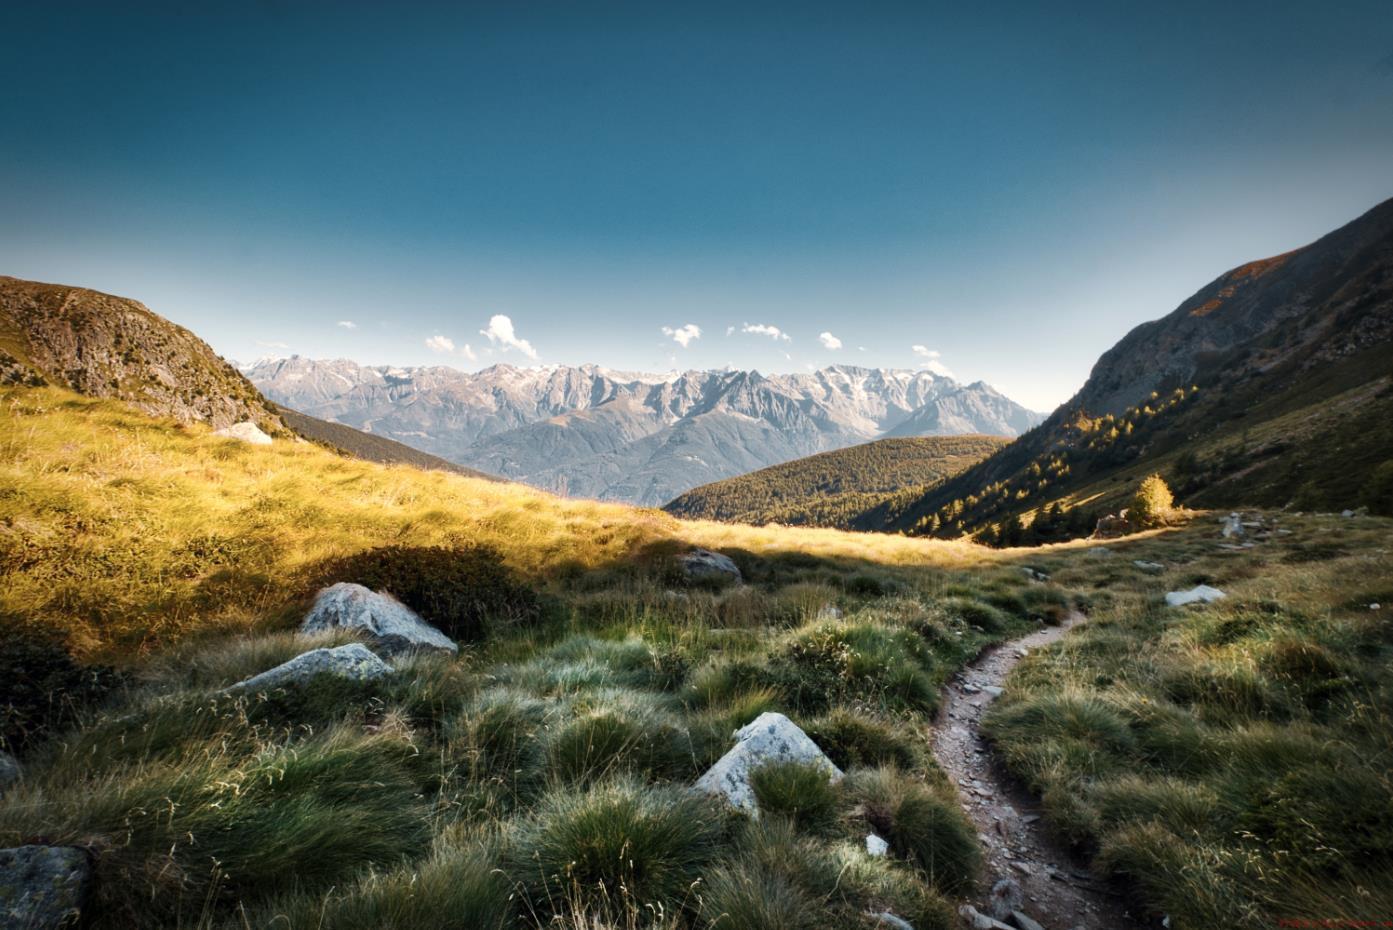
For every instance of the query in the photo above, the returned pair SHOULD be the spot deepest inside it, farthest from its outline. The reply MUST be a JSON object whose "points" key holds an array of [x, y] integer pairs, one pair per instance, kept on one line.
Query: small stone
{"points": [[1198, 593], [1005, 897], [994, 691], [875, 846], [1233, 526], [1376, 606], [389, 624], [1023, 921], [889, 919], [1346, 513], [970, 688], [979, 921], [1022, 867], [1030, 818], [42, 887], [9, 771], [1100, 552], [1151, 568]]}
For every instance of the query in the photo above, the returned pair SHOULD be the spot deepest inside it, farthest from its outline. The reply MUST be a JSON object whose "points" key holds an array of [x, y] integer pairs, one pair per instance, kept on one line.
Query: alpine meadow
{"points": [[696, 467]]}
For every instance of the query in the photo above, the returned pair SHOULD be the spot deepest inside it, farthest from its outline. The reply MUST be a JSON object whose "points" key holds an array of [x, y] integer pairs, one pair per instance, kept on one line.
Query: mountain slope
{"points": [[360, 445], [832, 488], [106, 346], [1272, 385], [591, 431]]}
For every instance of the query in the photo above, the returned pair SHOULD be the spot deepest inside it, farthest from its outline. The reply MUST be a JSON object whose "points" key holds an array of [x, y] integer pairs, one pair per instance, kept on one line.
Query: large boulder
{"points": [[769, 738], [246, 431], [354, 662], [703, 564], [391, 626], [42, 887], [1199, 594]]}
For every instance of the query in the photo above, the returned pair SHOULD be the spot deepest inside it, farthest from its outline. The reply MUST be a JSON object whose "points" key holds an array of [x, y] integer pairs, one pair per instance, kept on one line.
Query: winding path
{"points": [[1059, 892]]}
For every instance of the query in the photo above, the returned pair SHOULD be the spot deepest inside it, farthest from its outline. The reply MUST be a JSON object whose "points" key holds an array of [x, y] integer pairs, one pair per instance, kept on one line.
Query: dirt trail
{"points": [[1059, 892]]}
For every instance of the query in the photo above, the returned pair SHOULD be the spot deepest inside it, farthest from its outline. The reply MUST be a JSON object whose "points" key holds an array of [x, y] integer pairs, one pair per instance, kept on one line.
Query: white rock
{"points": [[247, 431], [769, 738], [1006, 896], [887, 919], [42, 887], [703, 563], [1375, 606], [1198, 593], [9, 771], [979, 921], [1100, 552], [1233, 526], [355, 662], [1023, 921], [1151, 568], [875, 846], [390, 624], [1346, 513]]}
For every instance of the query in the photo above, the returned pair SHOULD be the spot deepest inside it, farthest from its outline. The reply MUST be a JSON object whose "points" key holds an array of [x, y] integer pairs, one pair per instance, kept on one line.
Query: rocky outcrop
{"points": [[106, 346], [246, 431], [391, 626], [42, 887], [704, 565], [769, 739], [354, 662]]}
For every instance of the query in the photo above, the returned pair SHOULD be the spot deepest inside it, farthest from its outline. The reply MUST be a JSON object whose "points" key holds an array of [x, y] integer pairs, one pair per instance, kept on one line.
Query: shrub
{"points": [[222, 827], [614, 840], [465, 590], [610, 740], [1080, 731], [1152, 504], [1377, 493], [797, 790], [43, 689], [857, 740], [921, 825], [741, 896], [975, 613], [863, 661]]}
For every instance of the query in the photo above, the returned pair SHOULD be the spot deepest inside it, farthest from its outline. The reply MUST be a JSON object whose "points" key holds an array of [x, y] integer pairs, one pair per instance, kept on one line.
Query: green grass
{"points": [[1229, 761]]}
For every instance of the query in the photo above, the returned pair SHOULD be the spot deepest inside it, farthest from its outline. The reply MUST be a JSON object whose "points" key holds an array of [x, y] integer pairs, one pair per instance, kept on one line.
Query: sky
{"points": [[996, 190]]}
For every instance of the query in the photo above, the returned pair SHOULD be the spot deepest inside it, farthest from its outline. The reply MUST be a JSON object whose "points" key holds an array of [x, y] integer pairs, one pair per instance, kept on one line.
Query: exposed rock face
{"points": [[354, 662], [593, 432], [392, 627], [42, 887], [107, 346], [1199, 594], [703, 563], [247, 431], [769, 738]]}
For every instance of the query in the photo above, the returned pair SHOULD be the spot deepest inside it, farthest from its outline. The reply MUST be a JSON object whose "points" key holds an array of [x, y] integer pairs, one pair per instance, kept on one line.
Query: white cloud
{"points": [[729, 330], [683, 335], [925, 352], [347, 324], [446, 346], [764, 329], [931, 361], [501, 332], [829, 341]]}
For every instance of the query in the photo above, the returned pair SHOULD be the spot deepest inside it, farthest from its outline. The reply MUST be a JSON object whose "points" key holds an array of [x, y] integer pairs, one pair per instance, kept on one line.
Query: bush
{"points": [[1377, 493], [612, 740], [466, 590], [984, 616], [43, 690], [222, 827], [800, 791], [857, 740], [921, 825], [616, 841], [1152, 504]]}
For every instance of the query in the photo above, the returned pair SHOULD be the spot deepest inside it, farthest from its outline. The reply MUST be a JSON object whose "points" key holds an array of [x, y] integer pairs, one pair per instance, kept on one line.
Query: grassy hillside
{"points": [[1272, 386], [833, 488], [540, 778], [479, 791], [1231, 762], [360, 445]]}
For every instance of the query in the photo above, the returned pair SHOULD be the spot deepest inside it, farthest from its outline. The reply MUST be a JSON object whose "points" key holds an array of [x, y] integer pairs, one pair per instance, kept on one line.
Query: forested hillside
{"points": [[833, 488]]}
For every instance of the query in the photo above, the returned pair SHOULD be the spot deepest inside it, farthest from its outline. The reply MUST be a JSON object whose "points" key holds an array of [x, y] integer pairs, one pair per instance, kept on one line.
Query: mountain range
{"points": [[589, 431]]}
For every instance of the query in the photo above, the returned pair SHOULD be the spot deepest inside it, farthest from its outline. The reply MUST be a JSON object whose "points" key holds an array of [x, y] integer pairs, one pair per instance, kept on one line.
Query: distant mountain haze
{"points": [[590, 431]]}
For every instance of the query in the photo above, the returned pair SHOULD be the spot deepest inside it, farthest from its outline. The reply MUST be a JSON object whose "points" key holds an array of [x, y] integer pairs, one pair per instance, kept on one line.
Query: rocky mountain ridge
{"points": [[594, 432]]}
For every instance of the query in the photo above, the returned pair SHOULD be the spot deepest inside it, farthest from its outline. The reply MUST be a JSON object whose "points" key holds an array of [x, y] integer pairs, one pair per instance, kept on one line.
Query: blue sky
{"points": [[1011, 186]]}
